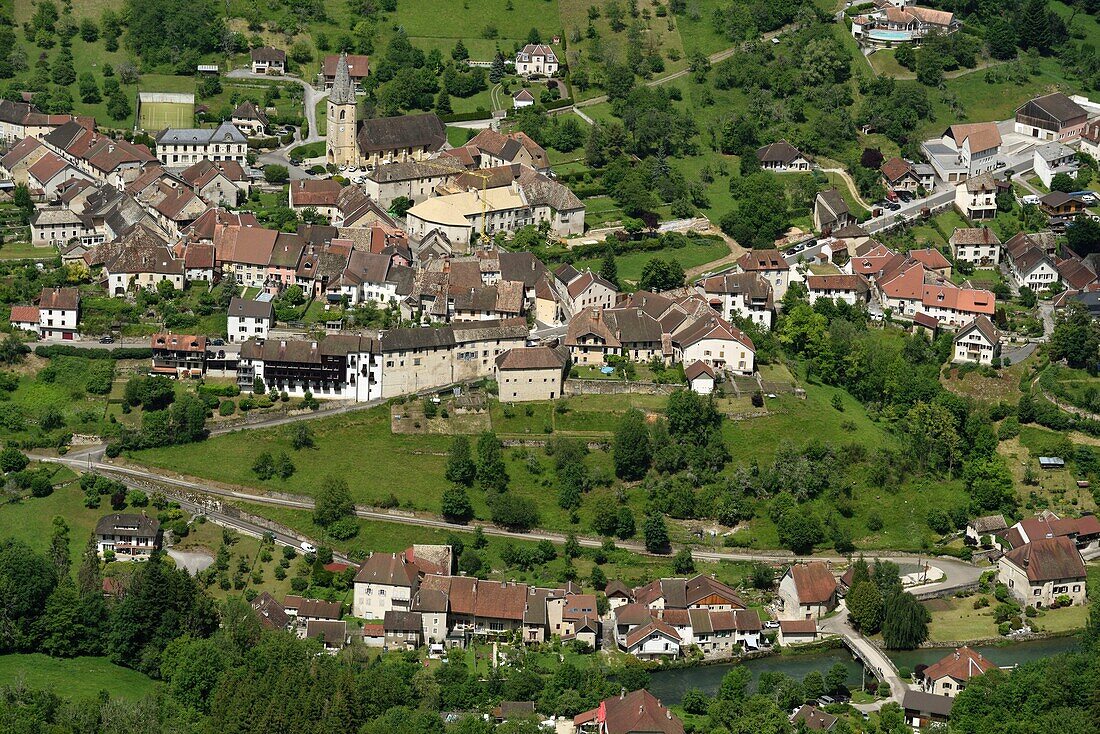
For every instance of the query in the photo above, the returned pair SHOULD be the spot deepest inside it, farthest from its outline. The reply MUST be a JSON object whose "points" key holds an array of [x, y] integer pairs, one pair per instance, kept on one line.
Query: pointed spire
{"points": [[342, 91]]}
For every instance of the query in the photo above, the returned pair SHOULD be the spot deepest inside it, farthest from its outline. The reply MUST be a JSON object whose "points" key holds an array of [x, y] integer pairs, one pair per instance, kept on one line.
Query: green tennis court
{"points": [[158, 110]]}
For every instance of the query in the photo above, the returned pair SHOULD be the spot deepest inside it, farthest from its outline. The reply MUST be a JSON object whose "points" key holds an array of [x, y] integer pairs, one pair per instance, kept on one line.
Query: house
{"points": [[797, 631], [933, 261], [116, 162], [988, 526], [830, 212], [978, 342], [271, 613], [179, 148], [596, 333], [637, 712], [179, 355], [715, 342], [979, 246], [1090, 138], [338, 366], [782, 156], [140, 259], [57, 226], [852, 289], [129, 536], [899, 174], [951, 674], [303, 609], [1053, 117], [976, 197], [1061, 208], [653, 640], [698, 592], [1031, 260], [321, 195], [404, 630], [245, 253], [1053, 158], [891, 22], [268, 60], [1043, 571], [746, 295], [331, 633], [536, 59], [414, 180], [249, 319], [523, 98], [491, 149], [770, 265], [813, 718], [218, 184], [532, 373], [24, 318], [925, 710], [250, 119], [700, 377], [808, 590], [618, 594], [1084, 531], [582, 290], [58, 313], [972, 148], [358, 70]]}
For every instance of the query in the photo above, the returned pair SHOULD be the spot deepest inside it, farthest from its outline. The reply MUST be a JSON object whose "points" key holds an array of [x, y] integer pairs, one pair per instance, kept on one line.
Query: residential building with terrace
{"points": [[129, 536], [979, 342], [179, 355], [888, 26]]}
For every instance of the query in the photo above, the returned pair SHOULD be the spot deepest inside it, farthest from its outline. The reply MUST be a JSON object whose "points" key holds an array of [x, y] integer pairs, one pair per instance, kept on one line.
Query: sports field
{"points": [[157, 111]]}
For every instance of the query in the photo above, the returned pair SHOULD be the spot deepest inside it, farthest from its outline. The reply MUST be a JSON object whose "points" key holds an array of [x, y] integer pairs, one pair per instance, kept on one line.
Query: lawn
{"points": [[26, 251], [956, 620], [885, 63], [74, 677], [31, 520], [630, 265]]}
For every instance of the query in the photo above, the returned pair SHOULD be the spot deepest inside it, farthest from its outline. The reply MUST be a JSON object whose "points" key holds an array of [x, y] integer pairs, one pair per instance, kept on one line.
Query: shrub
{"points": [[227, 407]]}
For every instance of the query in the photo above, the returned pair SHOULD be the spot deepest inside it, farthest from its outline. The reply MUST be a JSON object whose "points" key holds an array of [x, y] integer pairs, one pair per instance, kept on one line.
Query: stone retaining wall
{"points": [[575, 386]]}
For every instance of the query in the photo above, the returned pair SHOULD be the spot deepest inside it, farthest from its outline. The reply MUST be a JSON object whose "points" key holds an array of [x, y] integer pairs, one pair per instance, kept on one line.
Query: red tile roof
{"points": [[24, 314], [930, 258], [1048, 559], [960, 665], [813, 582]]}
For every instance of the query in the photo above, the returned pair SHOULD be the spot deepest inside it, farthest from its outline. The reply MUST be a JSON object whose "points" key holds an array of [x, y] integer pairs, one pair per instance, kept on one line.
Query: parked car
{"points": [[771, 624], [308, 547], [219, 342], [906, 196], [1088, 199], [107, 339], [1030, 199]]}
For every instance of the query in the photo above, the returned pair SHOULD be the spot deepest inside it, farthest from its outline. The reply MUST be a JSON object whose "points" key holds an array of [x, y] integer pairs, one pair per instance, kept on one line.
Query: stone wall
{"points": [[574, 386]]}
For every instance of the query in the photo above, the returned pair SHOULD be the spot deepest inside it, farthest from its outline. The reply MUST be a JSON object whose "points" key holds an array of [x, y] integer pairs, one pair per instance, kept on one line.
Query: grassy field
{"points": [[31, 520], [26, 251], [75, 677], [956, 619], [630, 265]]}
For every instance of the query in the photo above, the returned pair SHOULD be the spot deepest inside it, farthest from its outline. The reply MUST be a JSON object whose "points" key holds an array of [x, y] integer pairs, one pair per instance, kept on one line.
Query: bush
{"points": [[227, 407], [299, 584], [344, 529]]}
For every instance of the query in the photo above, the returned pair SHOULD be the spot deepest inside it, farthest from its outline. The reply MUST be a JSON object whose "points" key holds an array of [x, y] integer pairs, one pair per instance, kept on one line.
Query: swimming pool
{"points": [[881, 34]]}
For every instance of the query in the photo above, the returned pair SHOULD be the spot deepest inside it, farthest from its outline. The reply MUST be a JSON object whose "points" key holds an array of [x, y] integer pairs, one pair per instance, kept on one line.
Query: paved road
{"points": [[959, 574], [884, 669], [1018, 353], [310, 97]]}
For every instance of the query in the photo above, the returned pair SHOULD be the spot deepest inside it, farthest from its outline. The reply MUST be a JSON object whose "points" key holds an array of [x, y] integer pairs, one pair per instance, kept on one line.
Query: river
{"points": [[669, 685]]}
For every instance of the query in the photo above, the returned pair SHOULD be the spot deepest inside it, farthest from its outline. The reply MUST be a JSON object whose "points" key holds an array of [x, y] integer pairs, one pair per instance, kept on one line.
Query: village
{"points": [[417, 390]]}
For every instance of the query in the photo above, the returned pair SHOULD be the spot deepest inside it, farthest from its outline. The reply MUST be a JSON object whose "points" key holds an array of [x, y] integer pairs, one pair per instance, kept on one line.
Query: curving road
{"points": [[958, 573], [874, 658], [310, 97]]}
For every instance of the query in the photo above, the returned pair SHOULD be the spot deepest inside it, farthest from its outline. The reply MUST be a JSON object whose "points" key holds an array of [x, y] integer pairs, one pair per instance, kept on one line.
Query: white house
{"points": [[1031, 261], [700, 377], [950, 675], [58, 313], [716, 343], [976, 197], [523, 98], [536, 59], [129, 536], [852, 289], [979, 246], [652, 641], [1053, 158], [741, 295], [249, 319], [385, 582], [268, 60], [808, 591], [977, 145], [771, 266], [179, 148], [56, 226], [978, 342], [782, 156], [797, 631], [1043, 571]]}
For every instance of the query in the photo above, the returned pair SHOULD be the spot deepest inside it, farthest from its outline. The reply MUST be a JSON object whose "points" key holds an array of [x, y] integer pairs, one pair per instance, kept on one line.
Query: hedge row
{"points": [[467, 116], [66, 350]]}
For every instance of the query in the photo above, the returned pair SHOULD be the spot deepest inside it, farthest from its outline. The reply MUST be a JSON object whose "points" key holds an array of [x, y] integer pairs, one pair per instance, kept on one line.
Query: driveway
{"points": [[1017, 354], [192, 561]]}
